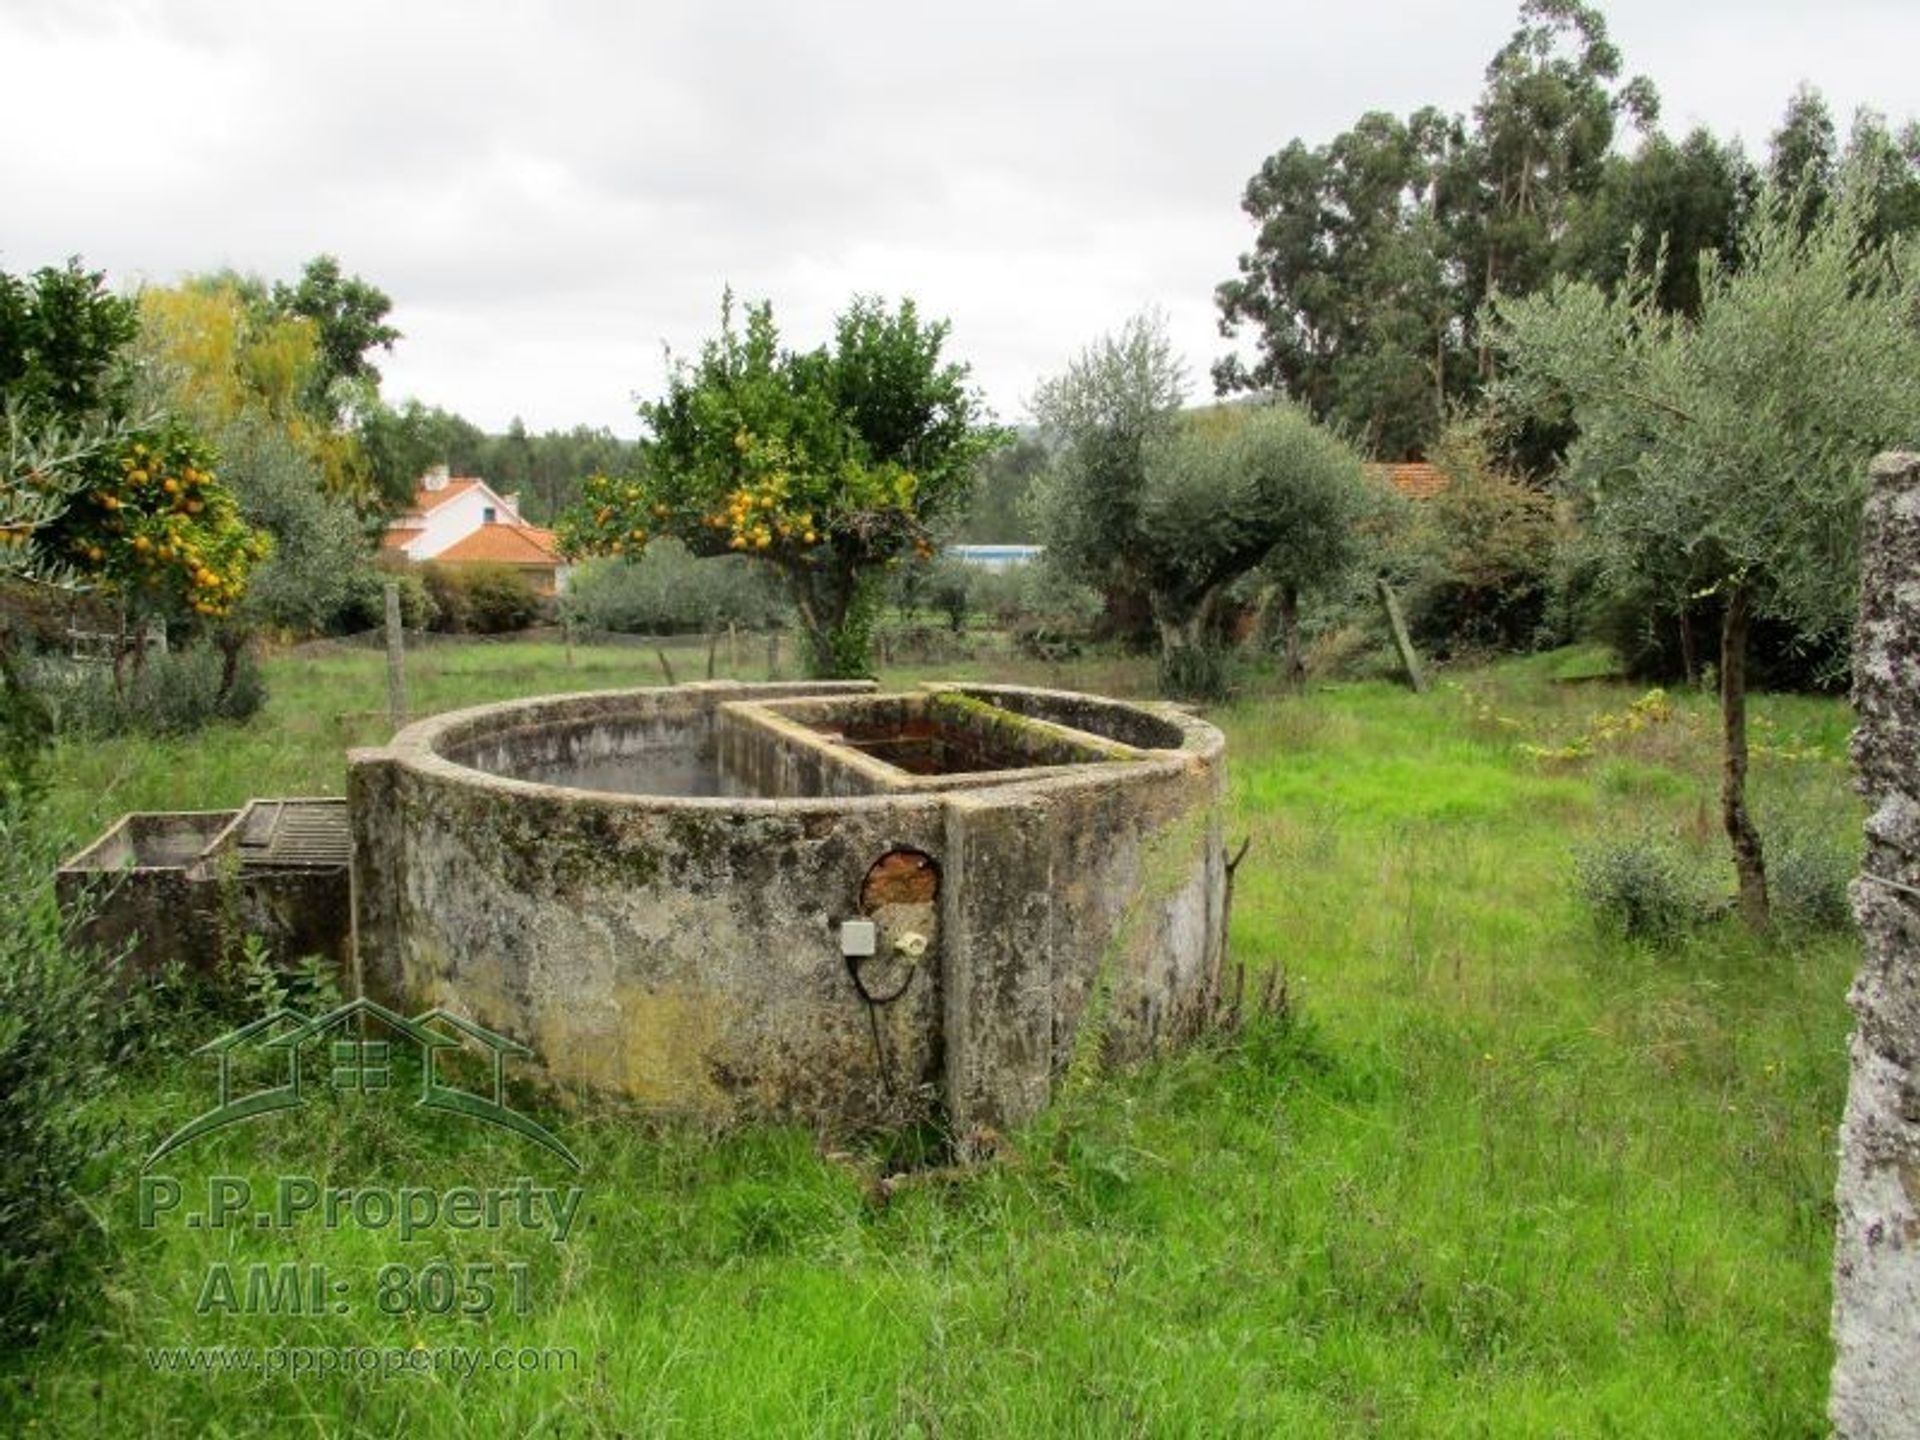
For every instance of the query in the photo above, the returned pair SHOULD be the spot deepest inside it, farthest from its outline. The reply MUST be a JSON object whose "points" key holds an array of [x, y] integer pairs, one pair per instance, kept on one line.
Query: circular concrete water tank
{"points": [[657, 890]]}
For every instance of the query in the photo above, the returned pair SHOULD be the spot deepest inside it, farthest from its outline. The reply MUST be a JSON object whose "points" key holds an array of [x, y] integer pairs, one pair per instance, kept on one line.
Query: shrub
{"points": [[479, 599], [499, 599], [1807, 878], [1197, 672], [450, 610], [1479, 556], [1642, 888], [174, 693], [56, 1054], [1044, 592], [669, 591], [1001, 595], [366, 606]]}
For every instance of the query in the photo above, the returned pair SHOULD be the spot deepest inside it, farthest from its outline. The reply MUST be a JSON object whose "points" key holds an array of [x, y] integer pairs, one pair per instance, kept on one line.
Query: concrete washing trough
{"points": [[809, 901], [180, 887]]}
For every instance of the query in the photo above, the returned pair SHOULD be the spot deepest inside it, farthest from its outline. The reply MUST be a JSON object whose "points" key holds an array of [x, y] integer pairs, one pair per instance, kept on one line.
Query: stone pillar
{"points": [[1876, 1290]]}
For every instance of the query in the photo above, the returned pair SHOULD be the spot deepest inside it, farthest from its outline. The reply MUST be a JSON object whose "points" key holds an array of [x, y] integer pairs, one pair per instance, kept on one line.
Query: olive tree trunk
{"points": [[1293, 665], [1192, 665], [1749, 861]]}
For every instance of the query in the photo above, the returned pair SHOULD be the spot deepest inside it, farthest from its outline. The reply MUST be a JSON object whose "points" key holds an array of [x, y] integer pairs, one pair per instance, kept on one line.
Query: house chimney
{"points": [[512, 497], [435, 478]]}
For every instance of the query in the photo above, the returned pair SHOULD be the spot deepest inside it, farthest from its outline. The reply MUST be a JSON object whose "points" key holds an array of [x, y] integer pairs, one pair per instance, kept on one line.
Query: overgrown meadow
{"points": [[1494, 1168]]}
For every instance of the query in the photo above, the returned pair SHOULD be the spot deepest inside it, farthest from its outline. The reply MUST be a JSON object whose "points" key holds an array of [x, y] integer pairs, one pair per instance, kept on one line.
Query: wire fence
{"points": [[905, 641]]}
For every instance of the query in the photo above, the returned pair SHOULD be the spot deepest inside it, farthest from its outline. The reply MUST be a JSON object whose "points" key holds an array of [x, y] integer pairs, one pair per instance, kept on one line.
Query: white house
{"points": [[456, 520]]}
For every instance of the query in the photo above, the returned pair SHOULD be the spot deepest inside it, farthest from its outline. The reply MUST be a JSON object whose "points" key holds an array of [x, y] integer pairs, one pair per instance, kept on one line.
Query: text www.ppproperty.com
{"points": [[376, 1360]]}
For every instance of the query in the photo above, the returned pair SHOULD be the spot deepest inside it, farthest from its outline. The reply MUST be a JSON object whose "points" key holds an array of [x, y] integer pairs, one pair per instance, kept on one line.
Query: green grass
{"points": [[1503, 1175]]}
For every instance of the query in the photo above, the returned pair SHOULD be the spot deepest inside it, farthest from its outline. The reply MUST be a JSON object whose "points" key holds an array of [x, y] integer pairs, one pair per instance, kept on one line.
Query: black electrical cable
{"points": [[874, 1002]]}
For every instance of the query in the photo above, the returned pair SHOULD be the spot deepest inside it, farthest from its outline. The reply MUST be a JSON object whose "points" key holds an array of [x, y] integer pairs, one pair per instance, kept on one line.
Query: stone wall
{"points": [[1876, 1306]]}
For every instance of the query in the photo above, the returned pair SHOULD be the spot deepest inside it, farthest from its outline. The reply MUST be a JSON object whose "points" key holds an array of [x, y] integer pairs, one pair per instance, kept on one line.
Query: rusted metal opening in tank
{"points": [[900, 877]]}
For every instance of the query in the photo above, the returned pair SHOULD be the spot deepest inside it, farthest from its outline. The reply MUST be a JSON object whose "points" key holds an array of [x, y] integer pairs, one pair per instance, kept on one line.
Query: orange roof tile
{"points": [[506, 545], [425, 499]]}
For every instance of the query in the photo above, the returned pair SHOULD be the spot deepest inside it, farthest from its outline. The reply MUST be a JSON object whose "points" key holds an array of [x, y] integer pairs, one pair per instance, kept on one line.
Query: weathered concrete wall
{"points": [[1157, 728], [1083, 921], [624, 741], [166, 888], [684, 950], [139, 889], [681, 951], [1876, 1304], [770, 755]]}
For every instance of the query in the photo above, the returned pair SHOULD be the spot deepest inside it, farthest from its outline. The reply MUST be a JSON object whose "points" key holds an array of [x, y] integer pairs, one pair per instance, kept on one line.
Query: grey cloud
{"points": [[548, 190]]}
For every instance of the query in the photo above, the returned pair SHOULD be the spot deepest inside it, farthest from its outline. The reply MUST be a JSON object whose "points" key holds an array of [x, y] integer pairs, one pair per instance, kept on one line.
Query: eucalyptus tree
{"points": [[1375, 251]]}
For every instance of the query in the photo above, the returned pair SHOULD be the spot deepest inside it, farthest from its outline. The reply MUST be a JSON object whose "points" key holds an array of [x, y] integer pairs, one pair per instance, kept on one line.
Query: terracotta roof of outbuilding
{"points": [[1416, 479]]}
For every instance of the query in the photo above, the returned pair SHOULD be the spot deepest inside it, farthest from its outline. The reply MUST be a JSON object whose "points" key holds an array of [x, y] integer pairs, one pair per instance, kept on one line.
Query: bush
{"points": [[499, 599], [174, 693], [1807, 879], [1197, 672], [1642, 888], [1479, 557], [479, 599], [1001, 595], [56, 1056], [366, 607], [1049, 616], [1644, 629], [1044, 593], [451, 613], [671, 592]]}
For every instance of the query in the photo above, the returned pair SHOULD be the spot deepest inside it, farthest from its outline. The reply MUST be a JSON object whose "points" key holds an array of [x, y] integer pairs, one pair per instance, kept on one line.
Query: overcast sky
{"points": [[552, 192]]}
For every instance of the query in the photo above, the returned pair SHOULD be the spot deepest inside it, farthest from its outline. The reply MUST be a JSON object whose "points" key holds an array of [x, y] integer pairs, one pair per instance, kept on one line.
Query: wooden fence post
{"points": [[396, 659], [1402, 641]]}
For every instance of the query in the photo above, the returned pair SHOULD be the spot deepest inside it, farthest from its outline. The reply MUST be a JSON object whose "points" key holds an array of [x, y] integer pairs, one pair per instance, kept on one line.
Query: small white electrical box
{"points": [[858, 938]]}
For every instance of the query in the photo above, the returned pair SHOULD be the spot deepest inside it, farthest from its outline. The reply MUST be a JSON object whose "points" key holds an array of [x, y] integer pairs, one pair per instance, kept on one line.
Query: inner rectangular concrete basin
{"points": [[652, 890]]}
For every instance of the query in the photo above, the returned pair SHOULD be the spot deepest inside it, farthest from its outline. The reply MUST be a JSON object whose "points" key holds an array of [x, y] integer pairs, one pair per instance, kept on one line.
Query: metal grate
{"points": [[294, 834]]}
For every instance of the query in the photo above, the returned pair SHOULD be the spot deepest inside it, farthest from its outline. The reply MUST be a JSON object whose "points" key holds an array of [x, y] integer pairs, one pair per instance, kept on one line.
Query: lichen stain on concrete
{"points": [[664, 1037]]}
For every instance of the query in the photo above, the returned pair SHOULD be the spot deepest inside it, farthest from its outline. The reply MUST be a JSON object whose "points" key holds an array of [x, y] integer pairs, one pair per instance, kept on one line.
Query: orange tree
{"points": [[149, 518], [828, 465], [91, 498]]}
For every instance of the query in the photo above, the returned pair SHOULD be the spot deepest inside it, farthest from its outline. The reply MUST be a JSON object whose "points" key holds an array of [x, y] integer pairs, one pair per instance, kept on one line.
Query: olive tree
{"points": [[1177, 505], [1726, 452]]}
